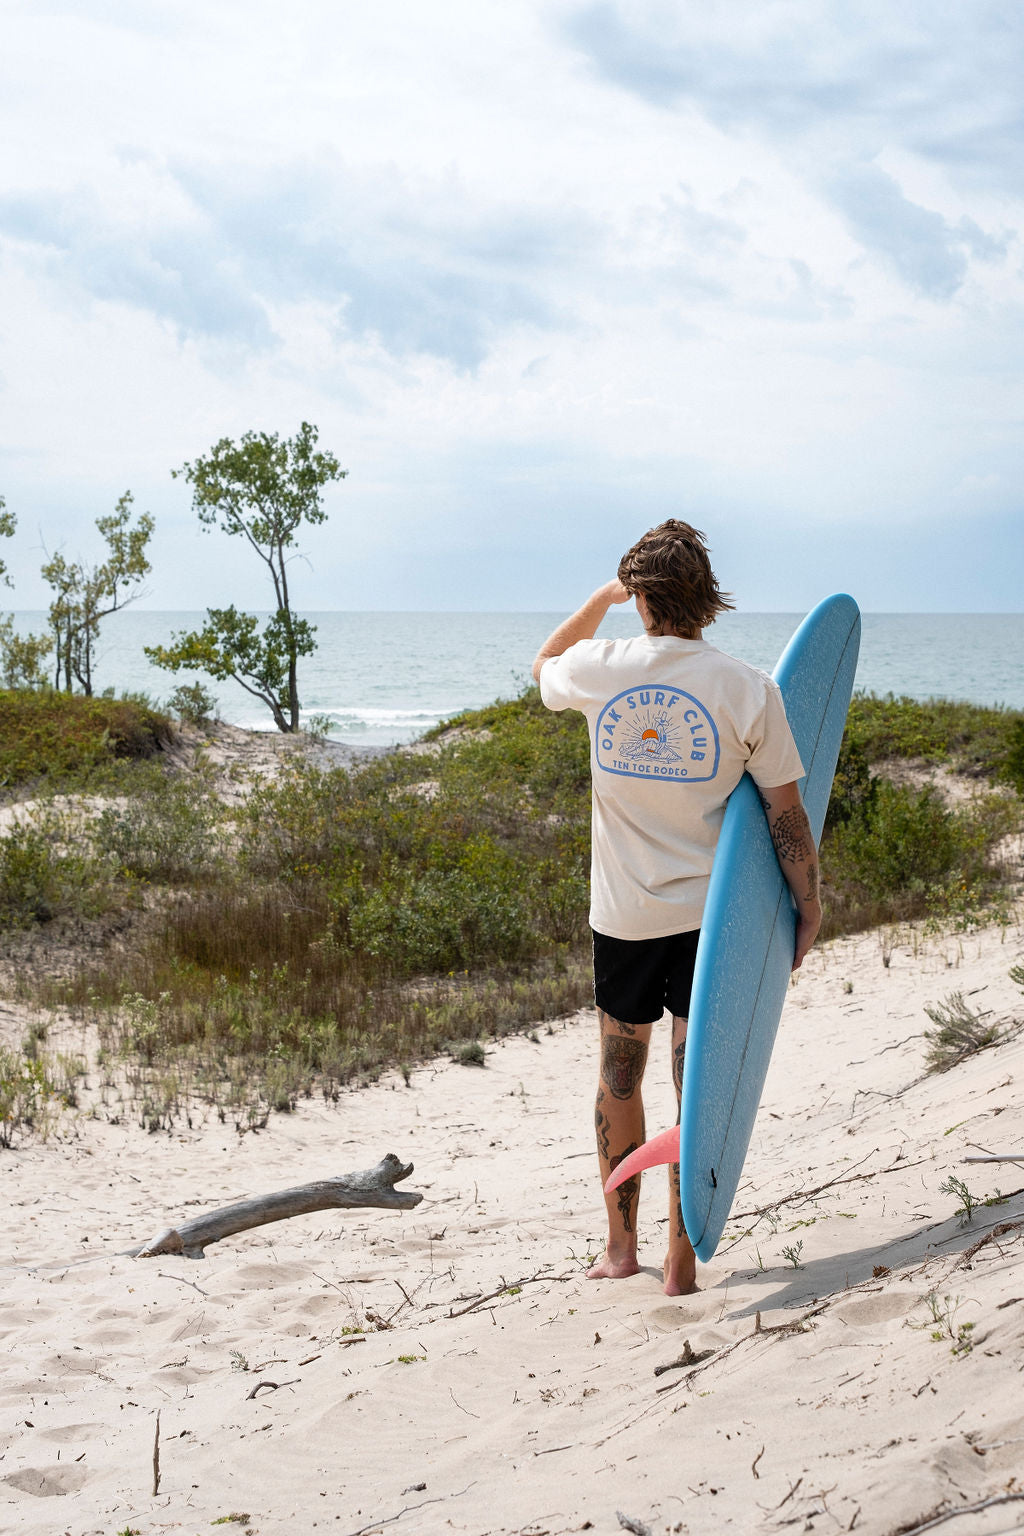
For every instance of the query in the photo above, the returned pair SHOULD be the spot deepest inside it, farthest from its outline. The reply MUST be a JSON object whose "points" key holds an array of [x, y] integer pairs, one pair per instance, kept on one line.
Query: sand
{"points": [[493, 1389]]}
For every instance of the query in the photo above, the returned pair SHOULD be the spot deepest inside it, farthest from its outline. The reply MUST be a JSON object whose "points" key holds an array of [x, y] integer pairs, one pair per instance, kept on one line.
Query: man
{"points": [[674, 723]]}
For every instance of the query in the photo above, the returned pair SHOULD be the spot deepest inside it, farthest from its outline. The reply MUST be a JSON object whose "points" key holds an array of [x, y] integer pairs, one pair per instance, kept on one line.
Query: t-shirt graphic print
{"points": [[658, 732], [673, 726]]}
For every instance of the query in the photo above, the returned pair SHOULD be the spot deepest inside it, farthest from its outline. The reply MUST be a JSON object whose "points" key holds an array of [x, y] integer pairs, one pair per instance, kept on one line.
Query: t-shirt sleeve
{"points": [[773, 759], [558, 689]]}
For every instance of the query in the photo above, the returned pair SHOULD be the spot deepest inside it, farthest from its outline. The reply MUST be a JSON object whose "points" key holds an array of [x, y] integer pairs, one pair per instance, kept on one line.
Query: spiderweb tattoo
{"points": [[791, 835]]}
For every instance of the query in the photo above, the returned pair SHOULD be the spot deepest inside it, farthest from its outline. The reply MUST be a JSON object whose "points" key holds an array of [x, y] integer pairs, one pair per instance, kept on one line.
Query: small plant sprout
{"points": [[792, 1253], [942, 1324], [238, 1361], [968, 1202], [959, 1032]]}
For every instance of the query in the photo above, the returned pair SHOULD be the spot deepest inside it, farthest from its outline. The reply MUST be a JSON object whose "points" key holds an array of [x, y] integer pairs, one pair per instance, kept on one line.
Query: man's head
{"points": [[669, 569]]}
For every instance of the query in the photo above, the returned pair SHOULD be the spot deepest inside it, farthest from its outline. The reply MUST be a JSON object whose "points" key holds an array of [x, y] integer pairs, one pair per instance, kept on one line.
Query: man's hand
{"points": [[798, 860], [616, 591], [582, 625]]}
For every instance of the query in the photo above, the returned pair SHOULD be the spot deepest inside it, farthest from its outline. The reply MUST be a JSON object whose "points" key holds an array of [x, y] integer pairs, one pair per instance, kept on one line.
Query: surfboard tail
{"points": [[663, 1148]]}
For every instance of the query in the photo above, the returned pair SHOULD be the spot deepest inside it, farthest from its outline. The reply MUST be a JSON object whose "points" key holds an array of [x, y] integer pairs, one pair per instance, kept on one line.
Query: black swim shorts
{"points": [[635, 980]]}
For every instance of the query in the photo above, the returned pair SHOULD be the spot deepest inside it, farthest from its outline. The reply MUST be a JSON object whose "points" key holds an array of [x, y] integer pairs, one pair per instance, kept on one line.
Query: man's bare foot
{"points": [[608, 1268], [681, 1277]]}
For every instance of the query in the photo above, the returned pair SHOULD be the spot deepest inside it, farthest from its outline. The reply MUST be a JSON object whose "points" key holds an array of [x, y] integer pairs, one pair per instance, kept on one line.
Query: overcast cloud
{"points": [[542, 273]]}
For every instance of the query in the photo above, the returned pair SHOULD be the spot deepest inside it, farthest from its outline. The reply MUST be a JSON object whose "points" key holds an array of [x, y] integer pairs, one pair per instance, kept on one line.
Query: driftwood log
{"points": [[372, 1186]]}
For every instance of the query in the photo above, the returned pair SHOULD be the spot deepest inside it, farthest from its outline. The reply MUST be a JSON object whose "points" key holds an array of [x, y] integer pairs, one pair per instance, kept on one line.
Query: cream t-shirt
{"points": [[673, 725]]}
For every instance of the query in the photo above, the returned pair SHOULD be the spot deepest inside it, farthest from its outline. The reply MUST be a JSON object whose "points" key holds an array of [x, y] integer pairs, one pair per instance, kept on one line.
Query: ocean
{"points": [[383, 678]]}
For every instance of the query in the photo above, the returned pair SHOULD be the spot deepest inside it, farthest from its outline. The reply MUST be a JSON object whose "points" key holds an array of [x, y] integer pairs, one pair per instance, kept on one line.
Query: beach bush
{"points": [[903, 853], [959, 1031], [45, 735], [169, 831], [45, 874], [192, 703], [33, 1088], [1012, 766], [971, 738]]}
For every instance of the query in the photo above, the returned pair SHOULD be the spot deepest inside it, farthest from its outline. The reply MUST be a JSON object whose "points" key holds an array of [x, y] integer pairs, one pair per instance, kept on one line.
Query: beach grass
{"points": [[342, 920]]}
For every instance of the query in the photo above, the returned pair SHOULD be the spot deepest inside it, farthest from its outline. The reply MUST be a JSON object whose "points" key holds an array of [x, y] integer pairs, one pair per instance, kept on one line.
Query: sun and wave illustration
{"points": [[651, 735]]}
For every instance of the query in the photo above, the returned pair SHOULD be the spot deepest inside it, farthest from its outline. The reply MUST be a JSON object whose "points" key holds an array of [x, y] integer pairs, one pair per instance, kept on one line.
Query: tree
{"points": [[21, 656], [6, 532], [88, 594], [261, 489]]}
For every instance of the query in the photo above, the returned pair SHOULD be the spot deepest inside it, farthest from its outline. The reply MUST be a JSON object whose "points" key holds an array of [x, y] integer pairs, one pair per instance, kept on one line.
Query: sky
{"points": [[542, 273]]}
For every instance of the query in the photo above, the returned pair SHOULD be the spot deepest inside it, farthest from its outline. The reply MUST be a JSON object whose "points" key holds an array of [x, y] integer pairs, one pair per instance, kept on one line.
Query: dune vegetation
{"points": [[335, 920]]}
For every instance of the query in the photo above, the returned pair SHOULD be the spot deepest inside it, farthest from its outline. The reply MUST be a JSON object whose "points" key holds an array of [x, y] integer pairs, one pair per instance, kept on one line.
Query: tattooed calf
{"points": [[622, 1065], [677, 1209], [628, 1192], [603, 1126], [678, 1058]]}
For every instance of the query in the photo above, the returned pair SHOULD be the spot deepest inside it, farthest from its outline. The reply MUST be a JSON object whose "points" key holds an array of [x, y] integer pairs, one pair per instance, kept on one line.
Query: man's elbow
{"points": [[538, 663]]}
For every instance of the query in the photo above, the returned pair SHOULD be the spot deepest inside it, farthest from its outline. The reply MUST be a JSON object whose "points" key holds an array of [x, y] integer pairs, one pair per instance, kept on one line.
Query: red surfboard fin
{"points": [[663, 1148]]}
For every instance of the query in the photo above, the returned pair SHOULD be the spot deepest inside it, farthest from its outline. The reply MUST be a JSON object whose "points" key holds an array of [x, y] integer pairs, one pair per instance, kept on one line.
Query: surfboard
{"points": [[747, 938]]}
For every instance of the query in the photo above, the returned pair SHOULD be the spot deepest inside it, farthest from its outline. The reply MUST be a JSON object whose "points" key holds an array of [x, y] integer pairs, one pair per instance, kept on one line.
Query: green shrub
{"points": [[904, 854], [41, 876], [1012, 766], [971, 737], [192, 703], [906, 839], [853, 788], [169, 832], [44, 734], [24, 1087]]}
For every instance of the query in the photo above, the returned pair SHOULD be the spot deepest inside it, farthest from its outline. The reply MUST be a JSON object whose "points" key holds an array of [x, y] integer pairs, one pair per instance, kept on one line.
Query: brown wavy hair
{"points": [[670, 569]]}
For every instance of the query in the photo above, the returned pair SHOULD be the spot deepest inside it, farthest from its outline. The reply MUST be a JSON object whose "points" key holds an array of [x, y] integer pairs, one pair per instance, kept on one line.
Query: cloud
{"points": [[419, 267], [917, 242], [942, 81], [175, 274]]}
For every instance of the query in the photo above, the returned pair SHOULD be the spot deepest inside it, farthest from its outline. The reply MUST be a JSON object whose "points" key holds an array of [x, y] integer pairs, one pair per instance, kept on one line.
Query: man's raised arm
{"points": [[582, 625], [798, 860]]}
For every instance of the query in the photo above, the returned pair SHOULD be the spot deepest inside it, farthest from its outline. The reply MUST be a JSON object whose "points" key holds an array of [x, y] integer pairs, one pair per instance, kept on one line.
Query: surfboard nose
{"points": [[663, 1148]]}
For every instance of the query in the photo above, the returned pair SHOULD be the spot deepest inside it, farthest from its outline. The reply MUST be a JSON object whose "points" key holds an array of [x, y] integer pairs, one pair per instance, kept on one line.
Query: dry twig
{"points": [[954, 1514]]}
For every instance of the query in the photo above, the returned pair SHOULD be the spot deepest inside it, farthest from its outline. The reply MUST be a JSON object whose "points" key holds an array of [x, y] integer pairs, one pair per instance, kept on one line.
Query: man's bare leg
{"points": [[619, 1122], [680, 1261]]}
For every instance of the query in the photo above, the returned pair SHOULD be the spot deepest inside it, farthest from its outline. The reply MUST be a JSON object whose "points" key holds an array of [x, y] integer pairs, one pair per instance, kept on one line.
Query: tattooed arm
{"points": [[798, 860]]}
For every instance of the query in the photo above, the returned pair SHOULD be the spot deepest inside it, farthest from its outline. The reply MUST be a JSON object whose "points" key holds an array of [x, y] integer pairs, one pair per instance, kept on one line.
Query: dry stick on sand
{"points": [[931, 1521], [372, 1186], [1001, 1230], [808, 1194]]}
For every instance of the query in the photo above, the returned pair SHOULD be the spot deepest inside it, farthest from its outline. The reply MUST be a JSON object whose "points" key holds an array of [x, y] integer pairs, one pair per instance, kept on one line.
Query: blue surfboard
{"points": [[748, 935], [749, 930]]}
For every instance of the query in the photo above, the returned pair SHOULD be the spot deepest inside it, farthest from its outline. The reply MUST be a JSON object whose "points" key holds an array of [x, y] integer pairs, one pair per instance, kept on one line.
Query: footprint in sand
{"points": [[48, 1482], [866, 1310]]}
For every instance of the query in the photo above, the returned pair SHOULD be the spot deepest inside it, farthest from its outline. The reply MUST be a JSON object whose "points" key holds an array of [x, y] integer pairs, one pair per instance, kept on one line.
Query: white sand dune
{"points": [[542, 1407]]}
